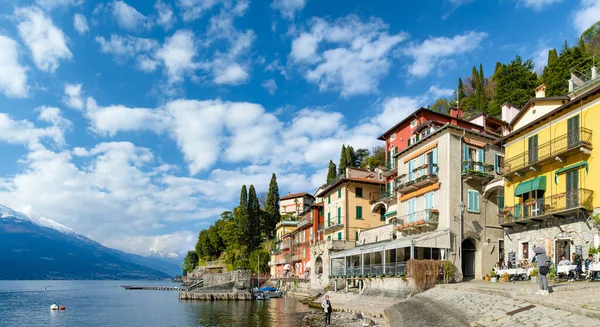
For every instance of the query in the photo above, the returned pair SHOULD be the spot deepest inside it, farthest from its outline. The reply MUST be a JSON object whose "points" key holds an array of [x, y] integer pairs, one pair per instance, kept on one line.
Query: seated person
{"points": [[574, 273], [563, 261], [496, 267], [589, 261]]}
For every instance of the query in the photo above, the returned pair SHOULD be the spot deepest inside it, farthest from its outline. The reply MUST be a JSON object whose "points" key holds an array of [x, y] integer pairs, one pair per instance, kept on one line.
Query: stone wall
{"points": [[377, 234], [575, 229], [228, 282], [215, 296], [376, 286]]}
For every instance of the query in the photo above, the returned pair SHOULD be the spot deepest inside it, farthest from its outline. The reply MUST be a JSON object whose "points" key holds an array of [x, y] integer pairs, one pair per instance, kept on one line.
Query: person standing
{"points": [[543, 269], [328, 309]]}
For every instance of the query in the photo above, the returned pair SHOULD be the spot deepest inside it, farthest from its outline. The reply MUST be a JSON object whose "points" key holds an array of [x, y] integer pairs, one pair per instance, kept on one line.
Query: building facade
{"points": [[293, 204], [281, 257], [551, 187]]}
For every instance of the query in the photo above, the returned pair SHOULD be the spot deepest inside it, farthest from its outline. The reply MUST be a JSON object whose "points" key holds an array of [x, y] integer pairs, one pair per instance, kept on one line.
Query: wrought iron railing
{"points": [[555, 147], [418, 176], [333, 223], [477, 168], [531, 209], [427, 216], [305, 222]]}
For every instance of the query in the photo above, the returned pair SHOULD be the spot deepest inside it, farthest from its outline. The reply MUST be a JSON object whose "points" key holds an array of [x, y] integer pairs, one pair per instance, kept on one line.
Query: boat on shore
{"points": [[265, 293]]}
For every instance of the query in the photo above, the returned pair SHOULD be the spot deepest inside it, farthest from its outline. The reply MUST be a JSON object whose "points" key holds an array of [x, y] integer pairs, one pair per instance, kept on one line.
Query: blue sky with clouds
{"points": [[136, 122]]}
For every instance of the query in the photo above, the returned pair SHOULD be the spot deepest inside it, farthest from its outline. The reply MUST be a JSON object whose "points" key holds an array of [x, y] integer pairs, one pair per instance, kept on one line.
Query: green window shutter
{"points": [[329, 199], [339, 193], [356, 235], [496, 168], [328, 219], [500, 202], [470, 201], [473, 201], [358, 212], [476, 196], [340, 236], [359, 192], [328, 237], [481, 159], [339, 215]]}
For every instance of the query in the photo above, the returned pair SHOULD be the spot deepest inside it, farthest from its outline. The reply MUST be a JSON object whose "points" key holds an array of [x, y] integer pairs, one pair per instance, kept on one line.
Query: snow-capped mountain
{"points": [[33, 247], [158, 254]]}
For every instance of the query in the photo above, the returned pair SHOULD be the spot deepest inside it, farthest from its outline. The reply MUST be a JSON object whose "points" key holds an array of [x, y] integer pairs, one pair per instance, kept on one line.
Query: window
{"points": [[411, 210], [429, 200], [329, 199], [500, 202], [358, 212], [340, 236], [328, 219], [413, 139], [414, 123], [524, 250], [339, 193], [359, 192], [393, 137], [425, 133], [356, 235], [532, 149], [381, 217], [328, 237], [473, 203], [339, 216], [498, 162]]}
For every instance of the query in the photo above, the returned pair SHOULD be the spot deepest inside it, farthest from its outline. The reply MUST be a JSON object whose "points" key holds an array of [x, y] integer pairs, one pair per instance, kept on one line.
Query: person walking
{"points": [[543, 265], [328, 309]]}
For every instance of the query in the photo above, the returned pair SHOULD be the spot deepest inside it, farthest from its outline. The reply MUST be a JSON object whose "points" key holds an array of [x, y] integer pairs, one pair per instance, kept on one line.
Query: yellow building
{"points": [[551, 186], [347, 207], [281, 256]]}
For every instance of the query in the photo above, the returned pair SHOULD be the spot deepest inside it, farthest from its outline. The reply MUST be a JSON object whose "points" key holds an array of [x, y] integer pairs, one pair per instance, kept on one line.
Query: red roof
{"points": [[295, 195]]}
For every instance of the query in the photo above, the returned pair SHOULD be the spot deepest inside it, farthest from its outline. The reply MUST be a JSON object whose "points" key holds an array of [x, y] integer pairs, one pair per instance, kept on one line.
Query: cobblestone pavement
{"points": [[482, 309]]}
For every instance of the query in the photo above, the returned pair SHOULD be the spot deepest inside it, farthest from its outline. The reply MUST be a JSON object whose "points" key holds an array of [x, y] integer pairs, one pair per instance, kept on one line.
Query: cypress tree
{"points": [[243, 197], [515, 83], [241, 213], [460, 92], [331, 173], [253, 222], [272, 215], [481, 98], [552, 56], [350, 157], [343, 163]]}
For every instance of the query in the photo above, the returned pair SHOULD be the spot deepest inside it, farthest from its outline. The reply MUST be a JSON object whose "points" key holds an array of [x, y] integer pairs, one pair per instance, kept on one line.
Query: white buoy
{"points": [[54, 307]]}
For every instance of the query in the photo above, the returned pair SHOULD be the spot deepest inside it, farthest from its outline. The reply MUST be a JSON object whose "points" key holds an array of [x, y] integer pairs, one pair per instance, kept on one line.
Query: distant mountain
{"points": [[39, 248]]}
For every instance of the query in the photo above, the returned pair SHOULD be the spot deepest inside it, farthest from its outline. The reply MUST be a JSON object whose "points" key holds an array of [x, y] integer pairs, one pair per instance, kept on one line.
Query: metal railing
{"points": [[389, 269], [555, 147], [334, 223], [419, 177], [374, 196], [477, 168], [547, 206], [427, 216], [305, 222], [385, 194]]}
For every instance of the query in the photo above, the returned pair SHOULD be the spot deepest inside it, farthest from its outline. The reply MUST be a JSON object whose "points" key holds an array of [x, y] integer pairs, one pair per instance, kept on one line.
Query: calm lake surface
{"points": [[104, 303]]}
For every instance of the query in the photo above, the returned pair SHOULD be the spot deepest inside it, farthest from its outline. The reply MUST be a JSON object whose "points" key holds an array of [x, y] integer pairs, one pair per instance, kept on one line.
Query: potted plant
{"points": [[486, 278], [493, 276], [533, 274], [530, 202]]}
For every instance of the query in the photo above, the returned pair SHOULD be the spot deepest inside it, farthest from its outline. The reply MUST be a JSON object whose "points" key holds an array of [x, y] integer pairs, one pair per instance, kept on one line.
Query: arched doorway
{"points": [[468, 258], [319, 266]]}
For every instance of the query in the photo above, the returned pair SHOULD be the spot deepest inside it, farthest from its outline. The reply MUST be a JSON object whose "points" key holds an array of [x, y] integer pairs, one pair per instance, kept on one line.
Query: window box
{"points": [[530, 202]]}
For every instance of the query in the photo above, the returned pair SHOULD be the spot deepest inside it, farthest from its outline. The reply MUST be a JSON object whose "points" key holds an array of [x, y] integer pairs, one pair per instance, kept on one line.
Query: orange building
{"points": [[306, 233]]}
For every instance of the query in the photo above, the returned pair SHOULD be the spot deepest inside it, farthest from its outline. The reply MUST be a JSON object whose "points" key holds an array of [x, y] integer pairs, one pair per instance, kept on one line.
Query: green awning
{"points": [[573, 166], [538, 183], [390, 213]]}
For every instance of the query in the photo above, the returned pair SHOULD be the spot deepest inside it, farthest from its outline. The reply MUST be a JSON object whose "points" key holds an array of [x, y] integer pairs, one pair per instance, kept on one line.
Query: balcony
{"points": [[538, 210], [335, 224], [557, 149], [334, 245], [390, 170], [477, 170], [296, 258], [305, 223], [419, 221], [418, 178], [388, 196]]}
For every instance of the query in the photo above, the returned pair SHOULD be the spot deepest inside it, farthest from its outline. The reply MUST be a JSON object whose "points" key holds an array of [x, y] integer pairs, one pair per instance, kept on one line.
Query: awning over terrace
{"points": [[538, 183]]}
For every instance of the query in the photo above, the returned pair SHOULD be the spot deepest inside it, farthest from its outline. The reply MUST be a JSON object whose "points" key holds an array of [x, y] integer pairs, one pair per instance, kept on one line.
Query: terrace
{"points": [[418, 178]]}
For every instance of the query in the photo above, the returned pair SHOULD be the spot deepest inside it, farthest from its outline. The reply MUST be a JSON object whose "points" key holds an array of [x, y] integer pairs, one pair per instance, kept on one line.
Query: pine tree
{"points": [[558, 71], [343, 163], [515, 83], [332, 172], [272, 215]]}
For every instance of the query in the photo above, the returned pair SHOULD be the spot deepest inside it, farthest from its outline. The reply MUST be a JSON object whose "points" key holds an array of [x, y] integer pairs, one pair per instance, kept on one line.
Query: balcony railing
{"points": [[536, 210], [419, 220], [418, 178], [563, 145], [305, 222], [334, 224], [388, 196], [389, 269], [390, 170], [374, 197], [477, 170], [334, 245]]}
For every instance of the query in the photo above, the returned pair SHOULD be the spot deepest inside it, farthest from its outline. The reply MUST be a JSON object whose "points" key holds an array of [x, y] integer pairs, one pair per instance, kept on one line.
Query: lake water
{"points": [[104, 303]]}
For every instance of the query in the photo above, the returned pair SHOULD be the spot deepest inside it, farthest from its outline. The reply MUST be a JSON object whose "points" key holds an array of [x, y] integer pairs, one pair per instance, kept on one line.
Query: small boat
{"points": [[270, 292], [62, 308], [54, 307]]}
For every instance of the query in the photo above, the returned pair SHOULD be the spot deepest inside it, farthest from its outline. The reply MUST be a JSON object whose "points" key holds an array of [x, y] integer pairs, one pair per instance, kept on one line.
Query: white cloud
{"points": [[586, 15], [109, 120], [26, 133], [288, 8], [123, 48], [127, 17], [46, 42], [438, 92], [427, 54], [537, 5], [230, 74], [53, 4], [540, 58], [80, 24], [177, 55], [13, 76], [270, 86], [165, 17], [73, 96], [347, 55], [193, 9]]}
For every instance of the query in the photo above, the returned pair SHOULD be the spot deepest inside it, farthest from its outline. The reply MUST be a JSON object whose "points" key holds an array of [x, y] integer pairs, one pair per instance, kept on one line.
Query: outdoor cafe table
{"points": [[595, 267], [514, 271], [565, 269]]}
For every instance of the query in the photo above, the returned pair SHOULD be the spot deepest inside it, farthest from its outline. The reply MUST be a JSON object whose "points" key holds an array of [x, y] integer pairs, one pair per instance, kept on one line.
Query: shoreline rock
{"points": [[339, 319]]}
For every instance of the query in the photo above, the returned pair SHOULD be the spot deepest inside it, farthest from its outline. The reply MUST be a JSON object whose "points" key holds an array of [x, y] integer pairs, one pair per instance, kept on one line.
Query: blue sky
{"points": [[136, 122]]}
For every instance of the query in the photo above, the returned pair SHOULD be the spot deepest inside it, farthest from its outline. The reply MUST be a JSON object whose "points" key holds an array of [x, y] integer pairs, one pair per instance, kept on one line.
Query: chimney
{"points": [[456, 112], [540, 91]]}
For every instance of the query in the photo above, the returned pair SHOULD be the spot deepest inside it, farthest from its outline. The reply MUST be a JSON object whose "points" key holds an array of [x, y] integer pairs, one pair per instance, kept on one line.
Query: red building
{"points": [[306, 233], [405, 133]]}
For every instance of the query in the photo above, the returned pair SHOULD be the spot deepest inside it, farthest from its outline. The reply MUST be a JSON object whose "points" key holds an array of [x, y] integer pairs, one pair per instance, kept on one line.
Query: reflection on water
{"points": [[104, 303]]}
